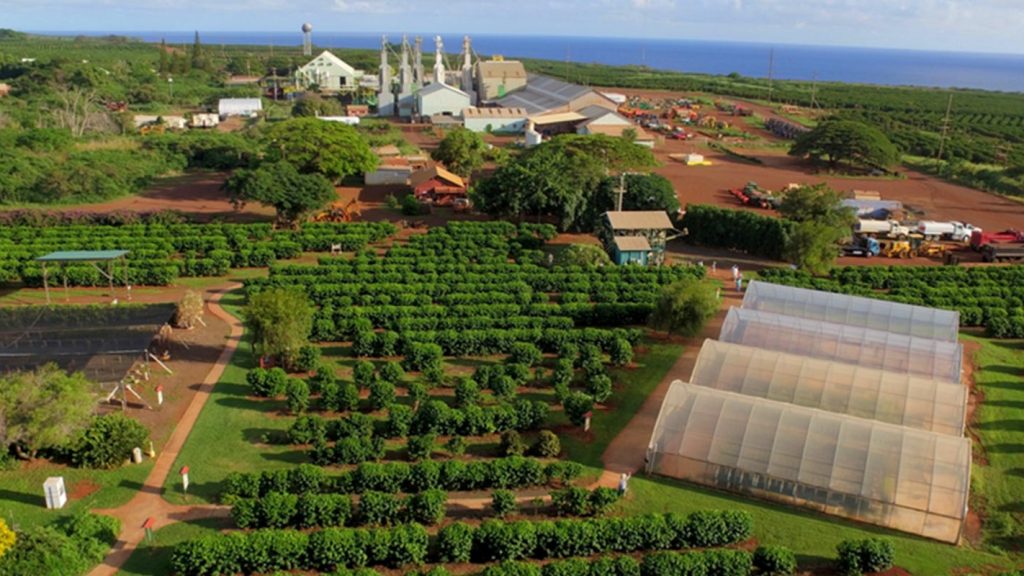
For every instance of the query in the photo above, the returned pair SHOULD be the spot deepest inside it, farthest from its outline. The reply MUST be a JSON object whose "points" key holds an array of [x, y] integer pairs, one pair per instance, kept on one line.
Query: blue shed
{"points": [[631, 250]]}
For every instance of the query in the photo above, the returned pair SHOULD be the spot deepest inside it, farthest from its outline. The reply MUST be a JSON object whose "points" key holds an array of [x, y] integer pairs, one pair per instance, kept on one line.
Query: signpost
{"points": [[148, 527], [160, 395], [184, 478]]}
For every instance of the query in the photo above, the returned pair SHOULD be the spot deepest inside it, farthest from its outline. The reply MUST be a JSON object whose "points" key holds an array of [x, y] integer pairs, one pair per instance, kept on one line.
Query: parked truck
{"points": [[980, 239], [886, 228], [1002, 252], [955, 231], [862, 246]]}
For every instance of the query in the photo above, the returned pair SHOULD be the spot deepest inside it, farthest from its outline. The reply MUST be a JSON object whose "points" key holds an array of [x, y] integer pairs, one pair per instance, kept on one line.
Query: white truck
{"points": [[887, 228], [955, 231]]}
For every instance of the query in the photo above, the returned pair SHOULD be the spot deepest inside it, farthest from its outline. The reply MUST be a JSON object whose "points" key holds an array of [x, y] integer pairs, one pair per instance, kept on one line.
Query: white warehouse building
{"points": [[495, 119], [329, 73], [442, 99]]}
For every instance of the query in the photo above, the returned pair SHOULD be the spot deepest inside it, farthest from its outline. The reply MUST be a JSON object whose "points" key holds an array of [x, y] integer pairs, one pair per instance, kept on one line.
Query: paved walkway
{"points": [[148, 502], [626, 452]]}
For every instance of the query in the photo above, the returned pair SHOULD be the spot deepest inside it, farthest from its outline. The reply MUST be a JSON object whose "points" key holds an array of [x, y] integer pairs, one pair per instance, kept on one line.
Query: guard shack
{"points": [[636, 236]]}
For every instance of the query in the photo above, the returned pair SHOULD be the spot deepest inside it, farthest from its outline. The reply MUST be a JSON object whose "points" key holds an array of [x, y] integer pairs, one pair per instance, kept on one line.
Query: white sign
{"points": [[184, 482], [56, 495]]}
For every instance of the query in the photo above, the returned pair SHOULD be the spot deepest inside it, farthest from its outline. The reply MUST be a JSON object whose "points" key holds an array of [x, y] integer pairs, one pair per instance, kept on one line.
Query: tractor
{"points": [[339, 212]]}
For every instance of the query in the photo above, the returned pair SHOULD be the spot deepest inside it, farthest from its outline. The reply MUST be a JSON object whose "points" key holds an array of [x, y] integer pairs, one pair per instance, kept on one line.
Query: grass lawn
{"points": [[632, 386], [999, 486], [21, 491], [154, 558], [812, 536]]}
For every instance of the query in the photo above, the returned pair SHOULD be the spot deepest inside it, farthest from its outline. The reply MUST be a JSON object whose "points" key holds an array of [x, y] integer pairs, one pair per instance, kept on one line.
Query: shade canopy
{"points": [[918, 321], [911, 480], [82, 256], [851, 344], [897, 398]]}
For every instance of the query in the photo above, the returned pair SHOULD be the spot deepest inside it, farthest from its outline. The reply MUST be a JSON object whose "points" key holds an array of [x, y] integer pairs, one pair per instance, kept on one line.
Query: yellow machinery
{"points": [[339, 213], [896, 249]]}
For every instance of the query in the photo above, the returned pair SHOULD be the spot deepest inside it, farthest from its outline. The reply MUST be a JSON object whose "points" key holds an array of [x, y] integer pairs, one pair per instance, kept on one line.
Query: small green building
{"points": [[636, 236]]}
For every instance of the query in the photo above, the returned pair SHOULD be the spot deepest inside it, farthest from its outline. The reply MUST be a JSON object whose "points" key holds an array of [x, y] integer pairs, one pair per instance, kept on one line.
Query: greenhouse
{"points": [[917, 321], [852, 344], [893, 476], [897, 398]]}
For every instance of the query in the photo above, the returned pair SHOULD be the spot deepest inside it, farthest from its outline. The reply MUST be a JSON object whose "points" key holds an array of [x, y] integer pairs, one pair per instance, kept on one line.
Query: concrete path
{"points": [[626, 452], [148, 502]]}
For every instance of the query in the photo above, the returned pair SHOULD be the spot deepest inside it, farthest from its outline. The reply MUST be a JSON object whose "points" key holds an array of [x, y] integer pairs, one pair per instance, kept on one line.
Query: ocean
{"points": [[1002, 72]]}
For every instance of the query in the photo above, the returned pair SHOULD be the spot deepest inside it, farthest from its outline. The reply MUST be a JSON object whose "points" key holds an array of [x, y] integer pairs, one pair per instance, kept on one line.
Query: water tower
{"points": [[307, 39]]}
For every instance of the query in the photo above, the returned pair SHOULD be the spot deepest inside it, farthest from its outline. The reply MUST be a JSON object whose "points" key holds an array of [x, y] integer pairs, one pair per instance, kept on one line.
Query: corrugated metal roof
{"points": [[556, 118], [543, 93], [435, 172], [81, 255], [474, 112], [501, 69], [632, 243], [437, 87], [639, 220]]}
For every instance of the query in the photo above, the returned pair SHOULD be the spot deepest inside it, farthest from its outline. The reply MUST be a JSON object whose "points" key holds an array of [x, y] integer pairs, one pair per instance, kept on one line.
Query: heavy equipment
{"points": [[339, 212], [862, 246]]}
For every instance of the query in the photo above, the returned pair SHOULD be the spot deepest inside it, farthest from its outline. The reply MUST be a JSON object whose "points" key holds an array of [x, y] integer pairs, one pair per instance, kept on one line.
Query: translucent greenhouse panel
{"points": [[850, 344], [897, 398], [911, 480], [883, 315]]}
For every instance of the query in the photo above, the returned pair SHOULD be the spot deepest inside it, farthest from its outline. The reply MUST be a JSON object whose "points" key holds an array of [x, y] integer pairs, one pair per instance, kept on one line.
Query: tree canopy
{"points": [[280, 320], [643, 192], [315, 146], [280, 185], [582, 255], [684, 306], [44, 408], [813, 246], [817, 203], [847, 141], [559, 179], [462, 151], [313, 104]]}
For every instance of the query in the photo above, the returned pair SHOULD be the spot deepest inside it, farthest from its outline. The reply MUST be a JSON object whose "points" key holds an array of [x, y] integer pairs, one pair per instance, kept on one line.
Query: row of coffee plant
{"points": [[989, 296], [395, 477], [158, 253], [494, 540]]}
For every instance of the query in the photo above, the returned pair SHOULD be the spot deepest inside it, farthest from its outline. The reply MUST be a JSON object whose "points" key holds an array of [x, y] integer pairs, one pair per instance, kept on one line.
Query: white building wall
{"points": [[442, 102], [497, 124]]}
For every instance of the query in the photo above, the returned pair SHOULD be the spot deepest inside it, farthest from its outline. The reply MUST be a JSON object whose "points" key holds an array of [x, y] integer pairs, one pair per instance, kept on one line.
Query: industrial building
{"points": [[329, 73], [497, 77], [545, 95], [439, 98], [835, 417], [494, 119], [620, 232]]}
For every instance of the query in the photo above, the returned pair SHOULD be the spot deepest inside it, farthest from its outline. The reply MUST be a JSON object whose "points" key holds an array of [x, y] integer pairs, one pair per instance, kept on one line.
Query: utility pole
{"points": [[771, 70], [814, 91], [945, 127]]}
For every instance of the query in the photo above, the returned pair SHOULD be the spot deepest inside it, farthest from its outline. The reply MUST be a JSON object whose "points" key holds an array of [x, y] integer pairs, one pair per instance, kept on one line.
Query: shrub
{"points": [[267, 383], [348, 397], [379, 508], [503, 386], [497, 540], [363, 373], [572, 501], [421, 447], [108, 441], [524, 353], [621, 352], [601, 499], [706, 528], [503, 502], [456, 446], [774, 560], [298, 395], [454, 543], [855, 557], [467, 393], [324, 382], [577, 405], [418, 392], [382, 394], [511, 444], [276, 510], [399, 420], [599, 387], [392, 372], [427, 507], [547, 445], [307, 358]]}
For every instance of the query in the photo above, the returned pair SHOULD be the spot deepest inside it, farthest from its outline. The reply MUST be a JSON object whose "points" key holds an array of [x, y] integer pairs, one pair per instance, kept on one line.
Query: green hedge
{"points": [[742, 230]]}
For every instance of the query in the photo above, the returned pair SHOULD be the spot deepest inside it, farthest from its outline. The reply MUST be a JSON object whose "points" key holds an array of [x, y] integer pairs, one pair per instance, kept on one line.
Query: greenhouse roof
{"points": [[894, 476], [919, 321], [851, 344], [82, 255], [897, 398]]}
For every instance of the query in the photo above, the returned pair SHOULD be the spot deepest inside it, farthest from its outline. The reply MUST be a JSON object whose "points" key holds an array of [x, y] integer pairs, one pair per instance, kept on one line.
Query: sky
{"points": [[945, 25]]}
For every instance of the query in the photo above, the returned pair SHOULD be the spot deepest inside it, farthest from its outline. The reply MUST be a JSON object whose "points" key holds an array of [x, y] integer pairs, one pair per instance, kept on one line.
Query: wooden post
{"points": [[46, 283]]}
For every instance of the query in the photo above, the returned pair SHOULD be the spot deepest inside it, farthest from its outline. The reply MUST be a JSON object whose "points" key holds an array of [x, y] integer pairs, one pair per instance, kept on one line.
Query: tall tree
{"points": [[165, 65], [280, 320], [847, 141], [559, 179], [280, 185], [198, 63], [685, 306], [331, 149], [462, 151], [44, 408], [817, 203], [813, 246]]}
